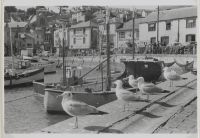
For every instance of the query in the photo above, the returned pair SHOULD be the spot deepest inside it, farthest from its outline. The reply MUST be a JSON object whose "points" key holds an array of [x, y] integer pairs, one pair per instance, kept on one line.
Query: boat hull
{"points": [[27, 78], [150, 70], [52, 104], [50, 68]]}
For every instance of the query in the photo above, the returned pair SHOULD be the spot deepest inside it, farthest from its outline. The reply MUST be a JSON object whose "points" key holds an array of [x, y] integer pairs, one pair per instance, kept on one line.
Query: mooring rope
{"points": [[20, 98]]}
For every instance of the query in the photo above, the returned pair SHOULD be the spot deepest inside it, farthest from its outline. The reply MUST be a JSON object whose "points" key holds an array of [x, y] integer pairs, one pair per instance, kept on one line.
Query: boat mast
{"points": [[11, 49], [158, 26], [108, 51], [133, 29], [64, 68]]}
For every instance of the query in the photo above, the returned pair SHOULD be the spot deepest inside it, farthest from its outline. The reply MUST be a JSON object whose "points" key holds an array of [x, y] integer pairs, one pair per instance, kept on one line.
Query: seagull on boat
{"points": [[77, 108], [125, 95], [171, 75], [148, 88]]}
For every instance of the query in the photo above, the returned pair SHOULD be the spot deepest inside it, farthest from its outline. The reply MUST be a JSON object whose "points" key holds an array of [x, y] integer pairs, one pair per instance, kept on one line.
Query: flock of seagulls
{"points": [[77, 108]]}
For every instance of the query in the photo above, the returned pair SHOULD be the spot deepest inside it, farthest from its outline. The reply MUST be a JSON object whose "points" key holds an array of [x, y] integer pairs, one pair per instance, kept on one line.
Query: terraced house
{"points": [[175, 25], [83, 37]]}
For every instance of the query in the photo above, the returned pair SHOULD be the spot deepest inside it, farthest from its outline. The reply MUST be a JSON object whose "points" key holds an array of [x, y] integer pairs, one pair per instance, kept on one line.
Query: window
{"points": [[74, 31], [190, 23], [83, 40], [164, 40], [168, 25], [152, 27], [190, 37], [74, 40], [153, 40], [121, 35]]}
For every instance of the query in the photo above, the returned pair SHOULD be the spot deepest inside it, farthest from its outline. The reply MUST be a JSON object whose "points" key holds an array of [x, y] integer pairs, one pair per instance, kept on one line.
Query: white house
{"points": [[175, 25], [124, 34], [83, 36]]}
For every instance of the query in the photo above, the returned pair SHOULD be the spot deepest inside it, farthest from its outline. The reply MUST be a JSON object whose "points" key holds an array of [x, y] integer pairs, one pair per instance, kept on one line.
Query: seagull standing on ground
{"points": [[148, 88], [171, 75], [132, 81], [77, 108], [126, 96]]}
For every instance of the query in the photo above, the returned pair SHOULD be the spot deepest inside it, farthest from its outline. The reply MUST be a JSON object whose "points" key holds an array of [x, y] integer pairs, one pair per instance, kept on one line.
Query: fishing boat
{"points": [[94, 93], [18, 76], [49, 66], [149, 69], [12, 78]]}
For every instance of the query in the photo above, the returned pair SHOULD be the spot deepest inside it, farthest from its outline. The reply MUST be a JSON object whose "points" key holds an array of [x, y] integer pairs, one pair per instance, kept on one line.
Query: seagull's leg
{"points": [[147, 96], [124, 107], [76, 122], [128, 106]]}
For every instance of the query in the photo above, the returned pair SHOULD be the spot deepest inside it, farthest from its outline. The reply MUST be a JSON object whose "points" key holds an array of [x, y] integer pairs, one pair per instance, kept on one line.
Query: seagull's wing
{"points": [[133, 83], [151, 88], [173, 76], [127, 95], [78, 108]]}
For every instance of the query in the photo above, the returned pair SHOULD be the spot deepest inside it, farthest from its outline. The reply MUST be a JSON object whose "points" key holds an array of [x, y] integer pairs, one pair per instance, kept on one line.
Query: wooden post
{"points": [[108, 52]]}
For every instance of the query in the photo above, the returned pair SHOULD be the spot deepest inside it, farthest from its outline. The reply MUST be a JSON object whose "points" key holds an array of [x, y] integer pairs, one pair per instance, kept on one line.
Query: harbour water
{"points": [[24, 111], [27, 114]]}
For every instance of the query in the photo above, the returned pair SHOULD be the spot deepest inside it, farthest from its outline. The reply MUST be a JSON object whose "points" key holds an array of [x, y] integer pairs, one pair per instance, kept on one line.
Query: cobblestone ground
{"points": [[183, 122]]}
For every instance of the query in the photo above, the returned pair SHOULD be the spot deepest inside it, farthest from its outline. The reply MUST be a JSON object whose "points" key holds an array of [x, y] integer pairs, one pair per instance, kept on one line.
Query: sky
{"points": [[55, 9]]}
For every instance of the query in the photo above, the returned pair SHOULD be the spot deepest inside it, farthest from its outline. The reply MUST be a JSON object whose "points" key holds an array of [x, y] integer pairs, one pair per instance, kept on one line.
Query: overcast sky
{"points": [[55, 9]]}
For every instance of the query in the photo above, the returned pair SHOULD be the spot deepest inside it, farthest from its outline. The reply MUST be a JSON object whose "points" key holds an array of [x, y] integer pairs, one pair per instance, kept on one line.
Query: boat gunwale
{"points": [[96, 93]]}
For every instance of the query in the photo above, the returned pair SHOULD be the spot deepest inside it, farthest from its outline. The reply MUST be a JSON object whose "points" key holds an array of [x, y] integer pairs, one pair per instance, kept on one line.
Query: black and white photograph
{"points": [[96, 69]]}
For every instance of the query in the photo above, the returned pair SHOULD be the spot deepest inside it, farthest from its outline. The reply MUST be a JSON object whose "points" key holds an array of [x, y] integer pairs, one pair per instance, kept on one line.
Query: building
{"points": [[83, 37], [58, 39], [124, 34], [16, 28], [114, 24], [175, 25]]}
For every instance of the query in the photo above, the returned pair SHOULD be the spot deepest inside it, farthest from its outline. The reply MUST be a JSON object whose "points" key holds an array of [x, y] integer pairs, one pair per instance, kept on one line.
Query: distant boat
{"points": [[25, 77], [49, 66]]}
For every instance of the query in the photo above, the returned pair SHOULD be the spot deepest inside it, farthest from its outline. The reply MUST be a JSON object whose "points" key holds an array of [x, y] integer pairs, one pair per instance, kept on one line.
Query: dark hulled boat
{"points": [[149, 69]]}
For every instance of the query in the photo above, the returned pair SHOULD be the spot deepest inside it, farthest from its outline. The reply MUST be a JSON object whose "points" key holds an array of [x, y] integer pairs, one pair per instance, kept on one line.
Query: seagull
{"points": [[126, 96], [77, 108], [171, 75], [148, 88], [132, 81]]}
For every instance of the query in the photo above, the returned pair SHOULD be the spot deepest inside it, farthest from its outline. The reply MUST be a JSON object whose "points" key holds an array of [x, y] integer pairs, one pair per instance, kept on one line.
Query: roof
{"points": [[172, 14], [129, 25], [84, 24]]}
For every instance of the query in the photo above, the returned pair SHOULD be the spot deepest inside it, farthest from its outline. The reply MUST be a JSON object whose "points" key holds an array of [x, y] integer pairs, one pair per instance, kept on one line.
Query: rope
{"points": [[20, 98]]}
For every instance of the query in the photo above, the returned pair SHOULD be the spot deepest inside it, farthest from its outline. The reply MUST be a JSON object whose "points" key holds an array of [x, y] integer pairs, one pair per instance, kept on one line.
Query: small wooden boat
{"points": [[25, 77], [53, 104]]}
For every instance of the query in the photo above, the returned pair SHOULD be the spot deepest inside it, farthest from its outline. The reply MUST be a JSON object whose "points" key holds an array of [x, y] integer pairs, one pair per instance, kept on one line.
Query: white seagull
{"points": [[171, 75], [126, 96], [148, 88], [132, 81], [77, 108]]}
